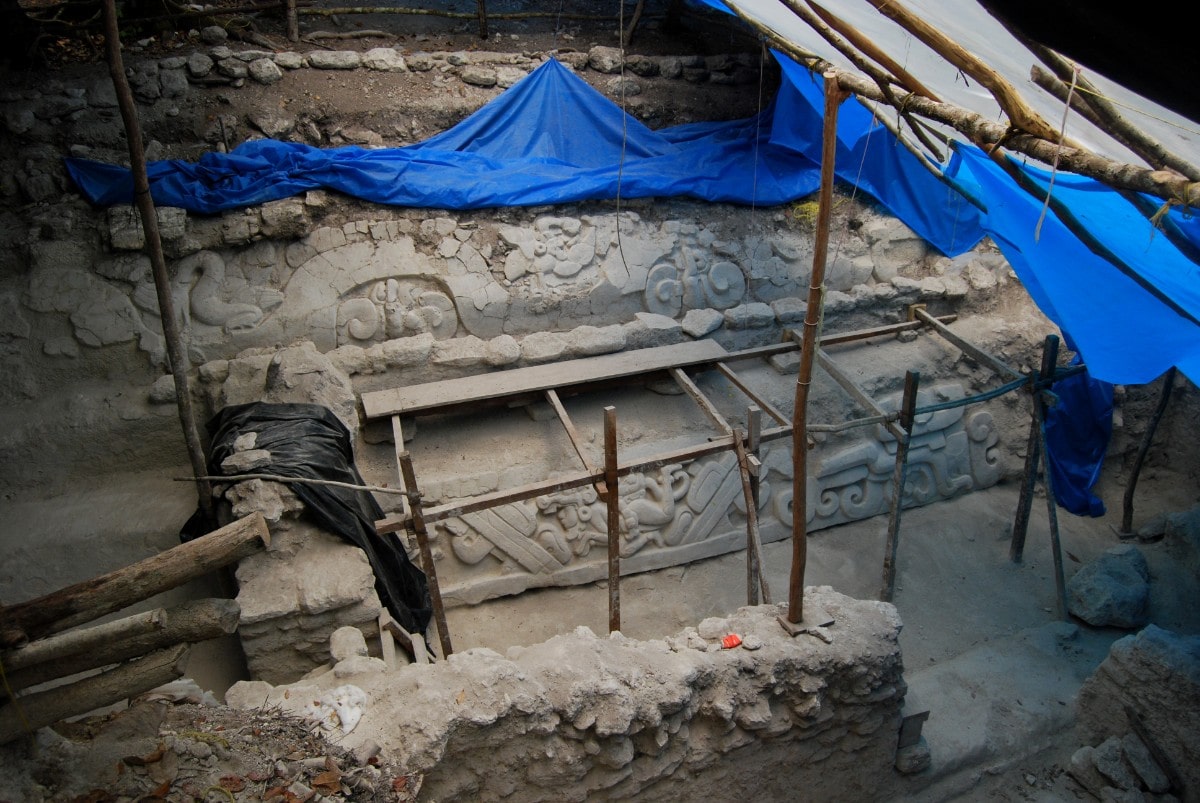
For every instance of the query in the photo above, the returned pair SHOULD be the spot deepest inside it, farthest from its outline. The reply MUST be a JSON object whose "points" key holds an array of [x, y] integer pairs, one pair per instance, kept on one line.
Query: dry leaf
{"points": [[328, 782], [462, 695], [233, 783], [141, 761]]}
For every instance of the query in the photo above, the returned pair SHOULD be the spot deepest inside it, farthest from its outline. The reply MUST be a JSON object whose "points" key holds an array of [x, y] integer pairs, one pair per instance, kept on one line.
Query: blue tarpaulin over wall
{"points": [[551, 139]]}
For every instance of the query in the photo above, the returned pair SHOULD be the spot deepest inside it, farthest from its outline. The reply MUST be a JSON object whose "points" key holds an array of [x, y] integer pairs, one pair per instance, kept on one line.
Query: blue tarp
{"points": [[552, 139], [1078, 429]]}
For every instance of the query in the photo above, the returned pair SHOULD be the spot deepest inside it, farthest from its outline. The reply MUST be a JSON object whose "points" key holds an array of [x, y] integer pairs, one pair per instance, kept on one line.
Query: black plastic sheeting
{"points": [[308, 441]]}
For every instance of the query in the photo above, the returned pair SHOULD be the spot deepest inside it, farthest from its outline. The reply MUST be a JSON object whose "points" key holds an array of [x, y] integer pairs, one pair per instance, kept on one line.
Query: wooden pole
{"points": [[422, 534], [176, 353], [1060, 583], [613, 501], [80, 650], [1147, 441], [481, 15], [748, 470], [834, 95], [908, 406], [1033, 448], [755, 578], [293, 22], [87, 601], [33, 711]]}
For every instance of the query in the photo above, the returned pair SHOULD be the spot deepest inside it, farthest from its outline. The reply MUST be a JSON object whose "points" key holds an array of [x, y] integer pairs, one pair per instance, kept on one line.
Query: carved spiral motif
{"points": [[358, 319], [664, 293]]}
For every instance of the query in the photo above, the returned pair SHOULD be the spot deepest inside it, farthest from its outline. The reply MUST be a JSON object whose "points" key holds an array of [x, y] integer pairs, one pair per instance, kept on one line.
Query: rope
{"points": [[1062, 132], [624, 128]]}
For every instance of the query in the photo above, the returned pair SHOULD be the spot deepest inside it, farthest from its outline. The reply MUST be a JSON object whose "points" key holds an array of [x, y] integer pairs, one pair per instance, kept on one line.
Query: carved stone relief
{"points": [[684, 512]]}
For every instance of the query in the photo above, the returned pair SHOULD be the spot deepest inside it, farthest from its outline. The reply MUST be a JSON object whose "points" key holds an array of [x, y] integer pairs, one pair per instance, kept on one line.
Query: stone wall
{"points": [[680, 718]]}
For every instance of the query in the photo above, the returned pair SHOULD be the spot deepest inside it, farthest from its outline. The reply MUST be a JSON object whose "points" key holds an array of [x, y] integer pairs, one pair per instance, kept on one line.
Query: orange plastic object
{"points": [[731, 641]]}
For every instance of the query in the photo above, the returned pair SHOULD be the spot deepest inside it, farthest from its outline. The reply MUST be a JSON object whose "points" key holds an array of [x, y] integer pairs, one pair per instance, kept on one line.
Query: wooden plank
{"points": [[710, 409], [536, 378], [979, 355], [854, 392], [573, 434], [758, 400], [419, 529]]}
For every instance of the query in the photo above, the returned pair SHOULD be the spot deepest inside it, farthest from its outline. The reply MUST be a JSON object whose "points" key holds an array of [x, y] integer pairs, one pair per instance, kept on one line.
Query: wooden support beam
{"points": [[573, 434], [979, 355], [32, 711], [427, 565], [76, 651], [689, 387], [613, 506], [754, 559], [853, 391], [398, 449], [908, 406], [753, 442], [1164, 397], [87, 601], [760, 403]]}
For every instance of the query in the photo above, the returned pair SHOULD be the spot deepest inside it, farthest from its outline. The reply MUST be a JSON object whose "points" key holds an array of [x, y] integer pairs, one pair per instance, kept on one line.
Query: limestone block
{"points": [[174, 82], [1112, 591], [789, 311], [288, 60], [502, 350], [213, 35], [648, 329], [670, 67], [700, 322], [347, 642], [605, 59], [625, 87], [459, 352], [585, 341], [1143, 764], [750, 316], [200, 65], [1109, 762], [384, 59], [479, 76], [420, 62], [163, 390], [334, 60], [125, 226], [540, 347], [245, 462], [285, 219], [233, 68], [507, 76], [302, 374], [265, 71]]}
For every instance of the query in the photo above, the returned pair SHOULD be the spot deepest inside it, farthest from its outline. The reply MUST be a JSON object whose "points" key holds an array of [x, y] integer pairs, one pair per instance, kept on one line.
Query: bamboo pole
{"points": [[176, 353], [834, 95], [87, 601], [908, 406], [419, 529], [612, 501], [1147, 441]]}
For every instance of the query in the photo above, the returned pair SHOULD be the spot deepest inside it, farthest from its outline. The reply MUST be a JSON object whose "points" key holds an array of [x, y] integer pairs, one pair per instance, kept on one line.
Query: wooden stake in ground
{"points": [[908, 406], [613, 502], [176, 353], [834, 95]]}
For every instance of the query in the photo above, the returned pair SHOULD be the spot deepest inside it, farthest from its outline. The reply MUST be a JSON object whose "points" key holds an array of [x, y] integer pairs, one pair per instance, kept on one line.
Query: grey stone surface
{"points": [[1113, 590], [213, 35], [914, 758], [347, 642]]}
